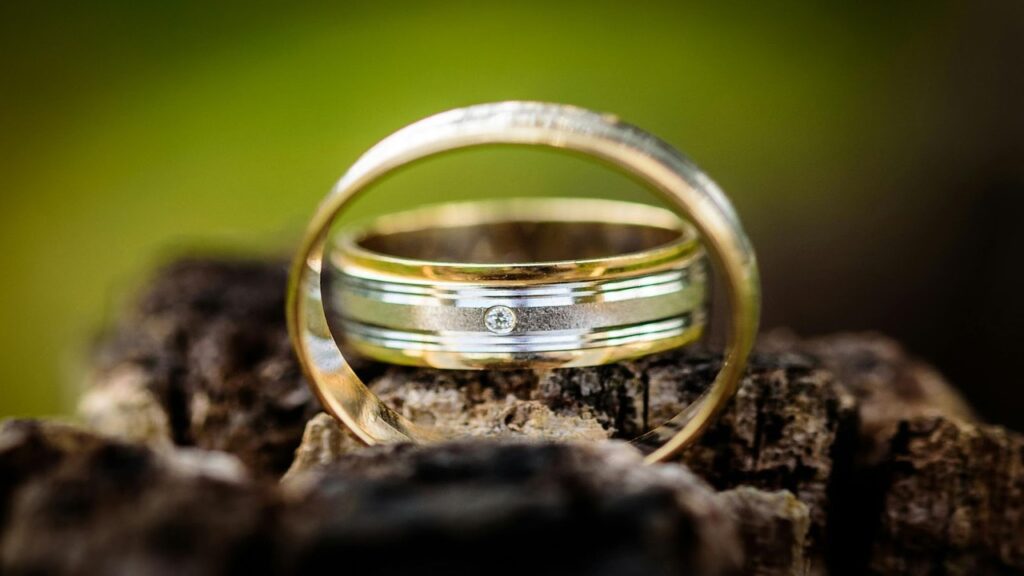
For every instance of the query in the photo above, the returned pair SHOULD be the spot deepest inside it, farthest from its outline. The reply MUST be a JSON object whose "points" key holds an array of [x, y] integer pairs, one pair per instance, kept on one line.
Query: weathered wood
{"points": [[80, 504], [471, 508], [207, 345], [837, 422], [774, 528], [75, 503], [954, 502]]}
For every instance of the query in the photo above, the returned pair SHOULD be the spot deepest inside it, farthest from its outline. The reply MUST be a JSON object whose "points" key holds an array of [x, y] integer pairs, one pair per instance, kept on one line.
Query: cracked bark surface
{"points": [[102, 506], [837, 455]]}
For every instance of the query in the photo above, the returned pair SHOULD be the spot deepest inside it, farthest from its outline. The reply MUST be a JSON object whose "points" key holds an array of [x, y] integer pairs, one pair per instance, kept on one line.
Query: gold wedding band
{"points": [[521, 283], [687, 190]]}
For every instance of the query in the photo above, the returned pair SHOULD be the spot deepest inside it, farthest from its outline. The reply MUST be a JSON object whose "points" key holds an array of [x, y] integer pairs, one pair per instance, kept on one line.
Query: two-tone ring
{"points": [[538, 283], [476, 286]]}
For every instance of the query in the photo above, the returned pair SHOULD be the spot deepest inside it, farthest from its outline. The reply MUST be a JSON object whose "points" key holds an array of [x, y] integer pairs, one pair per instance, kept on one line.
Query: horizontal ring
{"points": [[386, 301]]}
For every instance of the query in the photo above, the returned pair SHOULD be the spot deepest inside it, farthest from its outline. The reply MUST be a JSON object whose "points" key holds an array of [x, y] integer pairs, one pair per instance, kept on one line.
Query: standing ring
{"points": [[369, 274]]}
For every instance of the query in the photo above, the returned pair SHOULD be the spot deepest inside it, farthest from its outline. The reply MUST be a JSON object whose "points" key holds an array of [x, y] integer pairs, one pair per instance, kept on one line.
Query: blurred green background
{"points": [[874, 151]]}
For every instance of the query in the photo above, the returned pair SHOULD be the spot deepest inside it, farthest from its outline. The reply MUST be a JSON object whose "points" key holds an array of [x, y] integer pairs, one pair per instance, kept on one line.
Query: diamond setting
{"points": [[500, 319]]}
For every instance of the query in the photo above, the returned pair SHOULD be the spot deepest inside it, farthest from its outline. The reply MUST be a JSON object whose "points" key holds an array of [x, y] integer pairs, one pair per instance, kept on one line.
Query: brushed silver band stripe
{"points": [[585, 315], [548, 341], [566, 293], [484, 299]]}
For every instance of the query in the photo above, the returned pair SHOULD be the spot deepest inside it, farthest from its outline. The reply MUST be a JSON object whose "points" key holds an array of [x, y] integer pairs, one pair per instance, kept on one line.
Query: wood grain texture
{"points": [[838, 455]]}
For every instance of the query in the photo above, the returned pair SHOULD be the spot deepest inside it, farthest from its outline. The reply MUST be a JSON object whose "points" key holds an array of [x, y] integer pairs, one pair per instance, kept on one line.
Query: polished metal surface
{"points": [[417, 320], [686, 189]]}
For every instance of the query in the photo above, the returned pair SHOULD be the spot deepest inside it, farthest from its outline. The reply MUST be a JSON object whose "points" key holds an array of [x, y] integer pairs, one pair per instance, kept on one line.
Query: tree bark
{"points": [[838, 455]]}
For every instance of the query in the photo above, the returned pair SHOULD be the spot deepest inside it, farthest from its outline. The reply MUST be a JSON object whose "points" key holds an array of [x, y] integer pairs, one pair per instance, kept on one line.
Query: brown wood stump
{"points": [[838, 455]]}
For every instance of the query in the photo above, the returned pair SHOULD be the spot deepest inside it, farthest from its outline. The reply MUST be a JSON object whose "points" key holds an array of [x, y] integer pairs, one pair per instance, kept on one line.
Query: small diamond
{"points": [[500, 319]]}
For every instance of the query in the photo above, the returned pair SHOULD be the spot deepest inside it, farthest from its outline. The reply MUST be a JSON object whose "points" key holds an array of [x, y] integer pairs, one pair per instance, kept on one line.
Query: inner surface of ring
{"points": [[519, 241]]}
